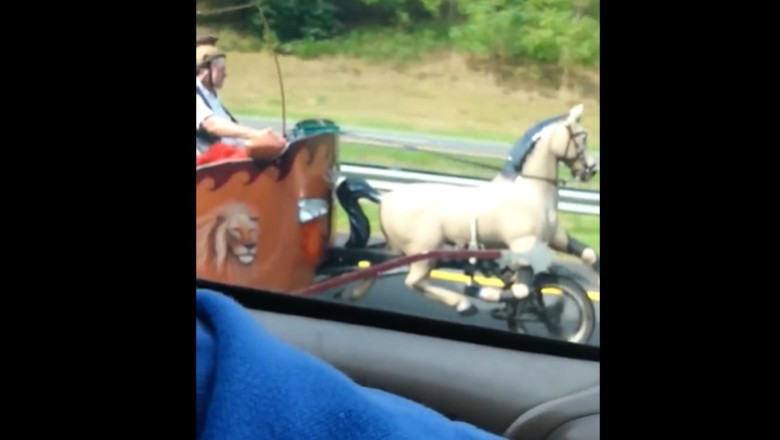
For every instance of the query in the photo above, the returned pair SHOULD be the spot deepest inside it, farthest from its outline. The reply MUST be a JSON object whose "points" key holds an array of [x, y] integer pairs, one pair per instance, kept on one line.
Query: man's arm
{"points": [[222, 127], [258, 141], [226, 128]]}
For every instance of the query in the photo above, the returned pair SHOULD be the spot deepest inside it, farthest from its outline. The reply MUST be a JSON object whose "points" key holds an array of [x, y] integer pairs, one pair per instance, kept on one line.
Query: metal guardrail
{"points": [[576, 201]]}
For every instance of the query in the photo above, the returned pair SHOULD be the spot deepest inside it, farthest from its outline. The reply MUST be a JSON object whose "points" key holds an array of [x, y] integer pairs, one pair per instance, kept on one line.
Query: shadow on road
{"points": [[389, 293]]}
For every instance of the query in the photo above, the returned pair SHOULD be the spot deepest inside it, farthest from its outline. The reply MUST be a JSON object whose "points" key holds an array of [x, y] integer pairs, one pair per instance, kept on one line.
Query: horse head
{"points": [[568, 142]]}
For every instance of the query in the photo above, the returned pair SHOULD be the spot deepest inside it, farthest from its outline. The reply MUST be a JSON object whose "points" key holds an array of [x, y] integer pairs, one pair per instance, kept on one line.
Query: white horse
{"points": [[518, 213]]}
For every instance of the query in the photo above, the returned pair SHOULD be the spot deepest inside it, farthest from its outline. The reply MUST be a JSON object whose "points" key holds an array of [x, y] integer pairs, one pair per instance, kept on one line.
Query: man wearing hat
{"points": [[213, 123]]}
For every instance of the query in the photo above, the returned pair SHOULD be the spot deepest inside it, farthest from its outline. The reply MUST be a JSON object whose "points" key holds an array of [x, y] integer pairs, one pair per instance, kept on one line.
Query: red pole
{"points": [[442, 254]]}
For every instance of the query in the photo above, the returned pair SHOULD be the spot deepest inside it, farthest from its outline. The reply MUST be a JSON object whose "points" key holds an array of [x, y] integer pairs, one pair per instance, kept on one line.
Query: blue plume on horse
{"points": [[522, 147]]}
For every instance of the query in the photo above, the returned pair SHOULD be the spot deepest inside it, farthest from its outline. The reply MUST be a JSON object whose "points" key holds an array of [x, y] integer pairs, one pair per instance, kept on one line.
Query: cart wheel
{"points": [[551, 315], [508, 311]]}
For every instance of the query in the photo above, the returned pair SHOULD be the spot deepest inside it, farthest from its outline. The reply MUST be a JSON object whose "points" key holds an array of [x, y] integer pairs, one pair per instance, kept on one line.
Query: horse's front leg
{"points": [[523, 273], [563, 242]]}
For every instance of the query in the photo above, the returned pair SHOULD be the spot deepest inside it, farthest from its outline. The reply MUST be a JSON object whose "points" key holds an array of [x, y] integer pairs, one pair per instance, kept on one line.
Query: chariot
{"points": [[271, 226]]}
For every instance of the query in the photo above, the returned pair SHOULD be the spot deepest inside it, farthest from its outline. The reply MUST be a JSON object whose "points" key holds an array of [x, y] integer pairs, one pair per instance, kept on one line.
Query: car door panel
{"points": [[518, 394]]}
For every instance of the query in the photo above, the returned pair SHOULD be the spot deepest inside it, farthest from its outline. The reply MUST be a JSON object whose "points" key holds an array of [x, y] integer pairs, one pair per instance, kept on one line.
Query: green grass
{"points": [[436, 163], [382, 45], [436, 96], [584, 227], [455, 131], [292, 117]]}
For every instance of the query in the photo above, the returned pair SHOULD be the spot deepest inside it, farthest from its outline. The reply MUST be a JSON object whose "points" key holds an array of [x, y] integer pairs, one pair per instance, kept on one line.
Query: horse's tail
{"points": [[348, 193]]}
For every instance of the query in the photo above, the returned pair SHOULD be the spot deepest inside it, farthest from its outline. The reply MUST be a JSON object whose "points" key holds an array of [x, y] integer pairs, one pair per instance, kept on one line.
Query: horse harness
{"points": [[579, 150], [474, 243]]}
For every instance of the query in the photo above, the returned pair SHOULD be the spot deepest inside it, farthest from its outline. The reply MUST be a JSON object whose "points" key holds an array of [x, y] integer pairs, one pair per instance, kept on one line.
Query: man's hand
{"points": [[266, 144], [225, 128], [269, 136]]}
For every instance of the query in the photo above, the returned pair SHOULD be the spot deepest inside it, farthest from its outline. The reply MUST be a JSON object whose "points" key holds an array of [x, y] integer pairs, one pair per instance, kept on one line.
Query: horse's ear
{"points": [[575, 114]]}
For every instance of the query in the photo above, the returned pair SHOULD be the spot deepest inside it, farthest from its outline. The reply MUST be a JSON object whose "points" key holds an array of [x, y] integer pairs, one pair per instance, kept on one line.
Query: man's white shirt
{"points": [[202, 111]]}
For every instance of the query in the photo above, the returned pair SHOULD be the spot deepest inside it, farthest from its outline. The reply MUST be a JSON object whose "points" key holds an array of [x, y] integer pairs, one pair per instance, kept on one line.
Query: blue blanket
{"points": [[249, 385]]}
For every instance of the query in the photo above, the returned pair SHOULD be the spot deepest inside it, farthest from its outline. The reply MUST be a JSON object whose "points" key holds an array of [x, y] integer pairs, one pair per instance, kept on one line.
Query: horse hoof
{"points": [[471, 310], [345, 295], [520, 291], [472, 290]]}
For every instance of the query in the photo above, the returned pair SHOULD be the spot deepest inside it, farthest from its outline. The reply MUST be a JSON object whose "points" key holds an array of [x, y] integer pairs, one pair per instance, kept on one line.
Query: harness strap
{"points": [[206, 101], [474, 243]]}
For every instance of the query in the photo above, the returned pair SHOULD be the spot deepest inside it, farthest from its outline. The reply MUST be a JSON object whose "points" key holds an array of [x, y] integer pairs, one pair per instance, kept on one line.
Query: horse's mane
{"points": [[525, 145]]}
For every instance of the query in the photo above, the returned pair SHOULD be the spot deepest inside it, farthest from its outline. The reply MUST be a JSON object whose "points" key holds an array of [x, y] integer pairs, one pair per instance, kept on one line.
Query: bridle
{"points": [[579, 149]]}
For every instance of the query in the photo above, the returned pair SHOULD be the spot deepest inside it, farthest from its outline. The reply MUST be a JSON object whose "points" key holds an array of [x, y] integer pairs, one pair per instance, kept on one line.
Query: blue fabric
{"points": [[249, 385]]}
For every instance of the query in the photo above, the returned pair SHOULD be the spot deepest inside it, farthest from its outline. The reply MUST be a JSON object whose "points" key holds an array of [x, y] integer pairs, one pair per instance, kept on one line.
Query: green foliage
{"points": [[512, 31], [291, 20], [505, 32], [380, 45]]}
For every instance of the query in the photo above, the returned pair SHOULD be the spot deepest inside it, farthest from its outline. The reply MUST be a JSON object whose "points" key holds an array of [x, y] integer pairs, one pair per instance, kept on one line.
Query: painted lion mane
{"points": [[215, 239]]}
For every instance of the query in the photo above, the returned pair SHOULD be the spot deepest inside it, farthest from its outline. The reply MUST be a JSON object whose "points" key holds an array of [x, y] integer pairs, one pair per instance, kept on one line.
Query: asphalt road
{"points": [[568, 266], [390, 293], [405, 139]]}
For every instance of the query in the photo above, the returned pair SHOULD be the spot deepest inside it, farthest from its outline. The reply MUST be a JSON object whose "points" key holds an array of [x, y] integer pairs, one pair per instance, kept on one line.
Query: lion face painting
{"points": [[241, 235], [252, 230], [231, 231]]}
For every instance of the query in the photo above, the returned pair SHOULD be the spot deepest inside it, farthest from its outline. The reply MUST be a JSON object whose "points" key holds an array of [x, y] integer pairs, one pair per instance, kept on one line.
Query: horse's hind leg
{"points": [[360, 290], [417, 280]]}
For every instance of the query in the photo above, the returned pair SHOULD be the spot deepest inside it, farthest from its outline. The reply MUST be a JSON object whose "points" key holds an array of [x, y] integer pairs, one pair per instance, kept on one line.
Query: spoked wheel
{"points": [[551, 316]]}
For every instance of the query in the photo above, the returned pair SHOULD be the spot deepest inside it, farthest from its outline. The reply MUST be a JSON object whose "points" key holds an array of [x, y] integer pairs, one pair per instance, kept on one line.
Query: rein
{"points": [[551, 181], [559, 181]]}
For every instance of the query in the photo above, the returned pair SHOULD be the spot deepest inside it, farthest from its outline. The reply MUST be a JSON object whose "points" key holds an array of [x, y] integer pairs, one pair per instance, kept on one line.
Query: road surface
{"points": [[390, 293]]}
